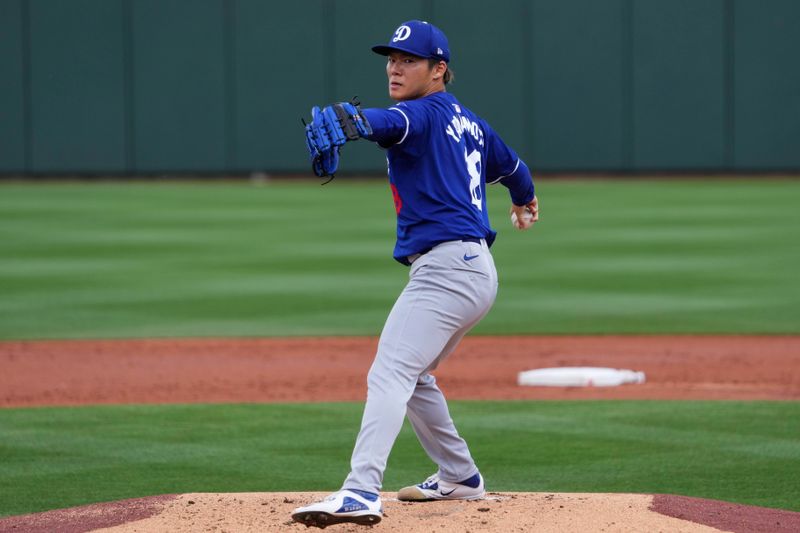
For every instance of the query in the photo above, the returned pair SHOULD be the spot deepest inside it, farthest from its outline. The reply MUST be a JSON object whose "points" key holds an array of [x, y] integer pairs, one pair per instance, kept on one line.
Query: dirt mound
{"points": [[499, 512]]}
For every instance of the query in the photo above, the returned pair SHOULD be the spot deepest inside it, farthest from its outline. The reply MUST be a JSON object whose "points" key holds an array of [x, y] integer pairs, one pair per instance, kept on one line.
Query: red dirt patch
{"points": [[334, 369], [87, 517], [727, 516]]}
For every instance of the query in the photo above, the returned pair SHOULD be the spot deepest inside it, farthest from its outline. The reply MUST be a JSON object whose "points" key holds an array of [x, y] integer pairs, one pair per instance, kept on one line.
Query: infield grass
{"points": [[100, 260], [743, 452]]}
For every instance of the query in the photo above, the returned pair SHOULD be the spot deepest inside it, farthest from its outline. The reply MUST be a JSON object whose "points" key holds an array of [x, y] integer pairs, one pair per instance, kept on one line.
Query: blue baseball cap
{"points": [[418, 38]]}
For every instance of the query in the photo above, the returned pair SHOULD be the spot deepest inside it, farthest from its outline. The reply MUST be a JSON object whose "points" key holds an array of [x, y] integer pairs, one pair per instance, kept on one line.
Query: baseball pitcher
{"points": [[441, 156]]}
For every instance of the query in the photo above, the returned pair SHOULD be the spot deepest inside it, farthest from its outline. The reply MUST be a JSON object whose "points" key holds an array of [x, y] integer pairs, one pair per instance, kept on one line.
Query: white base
{"points": [[579, 376]]}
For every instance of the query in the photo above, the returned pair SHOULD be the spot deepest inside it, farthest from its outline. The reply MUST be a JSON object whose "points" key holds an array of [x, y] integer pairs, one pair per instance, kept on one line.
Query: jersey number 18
{"points": [[474, 168]]}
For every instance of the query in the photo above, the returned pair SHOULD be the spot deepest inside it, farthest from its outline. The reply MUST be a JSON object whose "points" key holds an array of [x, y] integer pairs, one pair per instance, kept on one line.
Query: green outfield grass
{"points": [[235, 259], [743, 452]]}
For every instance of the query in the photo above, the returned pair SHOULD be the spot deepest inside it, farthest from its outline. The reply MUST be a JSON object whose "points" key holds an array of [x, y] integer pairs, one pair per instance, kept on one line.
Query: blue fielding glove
{"points": [[329, 129], [319, 144]]}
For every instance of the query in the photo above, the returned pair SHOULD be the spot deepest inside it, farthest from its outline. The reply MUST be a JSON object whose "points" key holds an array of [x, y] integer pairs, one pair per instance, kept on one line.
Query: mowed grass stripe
{"points": [[234, 259], [186, 260], [660, 256], [735, 451]]}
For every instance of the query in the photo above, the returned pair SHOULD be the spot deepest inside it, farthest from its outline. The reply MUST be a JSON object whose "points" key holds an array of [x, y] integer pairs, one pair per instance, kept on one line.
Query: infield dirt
{"points": [[334, 369], [500, 512]]}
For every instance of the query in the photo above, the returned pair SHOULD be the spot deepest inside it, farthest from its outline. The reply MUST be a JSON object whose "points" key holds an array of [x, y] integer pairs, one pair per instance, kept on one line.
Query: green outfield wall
{"points": [[133, 87]]}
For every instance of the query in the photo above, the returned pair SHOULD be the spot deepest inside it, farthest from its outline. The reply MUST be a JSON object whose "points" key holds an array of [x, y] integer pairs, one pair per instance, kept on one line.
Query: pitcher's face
{"points": [[412, 77]]}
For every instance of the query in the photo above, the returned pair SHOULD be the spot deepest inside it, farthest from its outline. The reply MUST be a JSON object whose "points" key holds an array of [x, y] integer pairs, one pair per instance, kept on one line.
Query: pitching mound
{"points": [[500, 512]]}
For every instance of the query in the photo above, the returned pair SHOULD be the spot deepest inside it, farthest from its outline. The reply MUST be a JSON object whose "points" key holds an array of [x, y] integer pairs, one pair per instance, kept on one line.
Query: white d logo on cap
{"points": [[402, 33]]}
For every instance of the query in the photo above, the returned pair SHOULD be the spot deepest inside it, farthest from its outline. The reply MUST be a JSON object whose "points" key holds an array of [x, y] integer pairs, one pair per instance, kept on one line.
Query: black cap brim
{"points": [[384, 50]]}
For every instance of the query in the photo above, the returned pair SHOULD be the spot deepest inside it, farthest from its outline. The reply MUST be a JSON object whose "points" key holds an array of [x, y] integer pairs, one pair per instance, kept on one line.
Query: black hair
{"points": [[448, 74]]}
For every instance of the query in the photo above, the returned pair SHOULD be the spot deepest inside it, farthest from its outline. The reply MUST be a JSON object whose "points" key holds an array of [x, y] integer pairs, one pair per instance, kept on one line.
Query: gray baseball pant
{"points": [[451, 288]]}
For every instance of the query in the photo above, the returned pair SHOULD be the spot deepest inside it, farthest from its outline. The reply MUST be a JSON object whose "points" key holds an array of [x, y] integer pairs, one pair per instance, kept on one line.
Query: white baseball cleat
{"points": [[434, 488], [347, 505]]}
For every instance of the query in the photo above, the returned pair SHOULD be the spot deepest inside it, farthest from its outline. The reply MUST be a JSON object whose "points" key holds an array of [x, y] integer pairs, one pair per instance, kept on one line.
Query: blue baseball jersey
{"points": [[441, 156]]}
